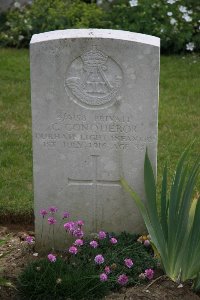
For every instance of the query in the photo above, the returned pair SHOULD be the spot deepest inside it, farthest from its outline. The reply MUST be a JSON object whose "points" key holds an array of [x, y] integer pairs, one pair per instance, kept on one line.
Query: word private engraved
{"points": [[94, 79]]}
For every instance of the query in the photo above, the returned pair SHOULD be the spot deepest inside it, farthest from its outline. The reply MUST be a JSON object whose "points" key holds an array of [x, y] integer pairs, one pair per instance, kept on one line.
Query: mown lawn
{"points": [[179, 124]]}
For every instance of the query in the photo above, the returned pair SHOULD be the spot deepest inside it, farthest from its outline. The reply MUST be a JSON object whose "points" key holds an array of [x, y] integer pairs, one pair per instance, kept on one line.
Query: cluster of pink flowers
{"points": [[122, 279], [75, 229], [104, 276], [52, 210]]}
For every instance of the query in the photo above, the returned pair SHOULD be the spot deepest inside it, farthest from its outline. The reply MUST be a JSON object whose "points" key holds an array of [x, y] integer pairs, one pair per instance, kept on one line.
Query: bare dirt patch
{"points": [[162, 289], [15, 254]]}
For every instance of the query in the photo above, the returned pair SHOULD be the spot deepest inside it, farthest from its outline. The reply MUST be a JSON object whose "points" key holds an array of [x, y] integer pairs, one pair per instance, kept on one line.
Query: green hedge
{"points": [[174, 21]]}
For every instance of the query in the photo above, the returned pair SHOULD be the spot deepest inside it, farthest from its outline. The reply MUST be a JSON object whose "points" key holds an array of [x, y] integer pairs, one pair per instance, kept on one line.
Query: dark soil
{"points": [[16, 218], [15, 255], [160, 289]]}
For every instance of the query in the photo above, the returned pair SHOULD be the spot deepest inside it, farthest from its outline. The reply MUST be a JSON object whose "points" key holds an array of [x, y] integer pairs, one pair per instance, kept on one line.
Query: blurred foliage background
{"points": [[176, 22]]}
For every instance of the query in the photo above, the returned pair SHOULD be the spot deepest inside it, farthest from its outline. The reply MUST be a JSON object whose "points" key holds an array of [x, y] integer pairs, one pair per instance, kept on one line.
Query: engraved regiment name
{"points": [[101, 132]]}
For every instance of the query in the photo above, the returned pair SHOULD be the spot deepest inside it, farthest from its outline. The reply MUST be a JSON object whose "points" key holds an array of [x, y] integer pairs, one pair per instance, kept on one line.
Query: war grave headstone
{"points": [[94, 111]]}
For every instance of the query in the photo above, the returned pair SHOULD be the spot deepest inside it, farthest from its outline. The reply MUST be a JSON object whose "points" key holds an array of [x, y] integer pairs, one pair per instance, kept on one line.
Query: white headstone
{"points": [[94, 110]]}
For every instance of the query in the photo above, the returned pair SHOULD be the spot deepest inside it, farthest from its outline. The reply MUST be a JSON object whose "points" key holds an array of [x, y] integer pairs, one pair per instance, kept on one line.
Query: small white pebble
{"points": [[180, 285], [35, 254]]}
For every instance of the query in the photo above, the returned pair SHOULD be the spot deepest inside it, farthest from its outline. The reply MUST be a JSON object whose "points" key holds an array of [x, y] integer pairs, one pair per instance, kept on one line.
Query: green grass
{"points": [[15, 133], [179, 110], [179, 123]]}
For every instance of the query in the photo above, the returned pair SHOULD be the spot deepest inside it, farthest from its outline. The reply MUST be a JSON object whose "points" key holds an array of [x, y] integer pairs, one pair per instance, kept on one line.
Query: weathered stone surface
{"points": [[94, 111]]}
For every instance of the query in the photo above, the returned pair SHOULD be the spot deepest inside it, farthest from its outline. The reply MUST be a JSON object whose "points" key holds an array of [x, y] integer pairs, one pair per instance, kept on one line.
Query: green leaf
{"points": [[164, 205], [175, 232], [150, 186], [140, 206], [150, 189]]}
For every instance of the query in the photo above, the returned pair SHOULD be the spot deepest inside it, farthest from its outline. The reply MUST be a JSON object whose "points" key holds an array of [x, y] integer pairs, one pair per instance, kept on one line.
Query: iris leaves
{"points": [[174, 227]]}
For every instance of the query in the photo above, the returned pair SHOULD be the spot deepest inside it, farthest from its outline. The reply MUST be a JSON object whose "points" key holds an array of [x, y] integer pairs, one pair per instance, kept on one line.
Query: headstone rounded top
{"points": [[96, 33]]}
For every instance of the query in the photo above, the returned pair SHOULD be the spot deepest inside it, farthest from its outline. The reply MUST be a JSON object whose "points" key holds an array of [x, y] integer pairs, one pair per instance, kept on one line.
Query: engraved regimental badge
{"points": [[93, 79]]}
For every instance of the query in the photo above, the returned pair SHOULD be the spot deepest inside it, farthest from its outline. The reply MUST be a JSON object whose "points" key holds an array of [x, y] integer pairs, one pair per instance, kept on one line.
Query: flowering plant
{"points": [[174, 231], [175, 22], [89, 267]]}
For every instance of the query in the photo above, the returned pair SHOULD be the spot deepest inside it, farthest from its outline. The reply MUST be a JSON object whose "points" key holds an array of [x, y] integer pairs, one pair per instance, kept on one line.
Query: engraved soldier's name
{"points": [[78, 131]]}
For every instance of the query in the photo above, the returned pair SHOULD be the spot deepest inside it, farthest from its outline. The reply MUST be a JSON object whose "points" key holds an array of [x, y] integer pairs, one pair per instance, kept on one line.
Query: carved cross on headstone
{"points": [[94, 182]]}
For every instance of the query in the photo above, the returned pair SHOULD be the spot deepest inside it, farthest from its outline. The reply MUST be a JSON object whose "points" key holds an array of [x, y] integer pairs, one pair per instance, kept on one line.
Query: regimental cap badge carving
{"points": [[94, 58], [93, 79]]}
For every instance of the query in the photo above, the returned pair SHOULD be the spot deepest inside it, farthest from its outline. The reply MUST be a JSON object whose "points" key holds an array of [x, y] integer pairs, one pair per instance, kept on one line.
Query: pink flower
{"points": [[99, 259], [128, 262], [122, 279], [93, 244], [43, 212], [102, 235], [113, 241], [149, 273], [65, 215], [146, 243], [80, 223], [29, 239], [78, 233], [73, 250], [52, 221], [51, 257], [107, 270], [53, 209], [69, 226], [78, 242], [103, 277]]}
